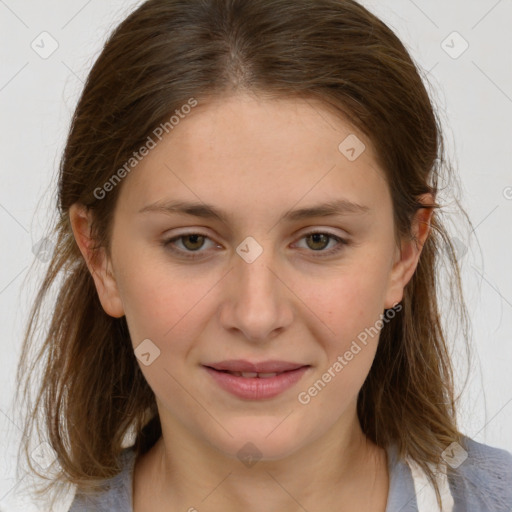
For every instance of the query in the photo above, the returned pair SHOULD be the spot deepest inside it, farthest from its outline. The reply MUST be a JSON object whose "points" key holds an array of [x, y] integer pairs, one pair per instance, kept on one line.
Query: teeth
{"points": [[252, 375]]}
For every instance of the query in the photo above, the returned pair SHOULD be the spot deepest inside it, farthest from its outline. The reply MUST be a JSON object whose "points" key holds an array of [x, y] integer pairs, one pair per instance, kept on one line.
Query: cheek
{"points": [[346, 304], [159, 304], [351, 307], [163, 314]]}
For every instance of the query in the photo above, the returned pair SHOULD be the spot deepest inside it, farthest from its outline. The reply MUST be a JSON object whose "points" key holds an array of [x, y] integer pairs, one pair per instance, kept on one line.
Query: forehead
{"points": [[250, 152], [270, 129]]}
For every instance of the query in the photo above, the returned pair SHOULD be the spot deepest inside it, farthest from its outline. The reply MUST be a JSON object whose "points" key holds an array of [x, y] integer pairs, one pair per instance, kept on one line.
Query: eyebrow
{"points": [[207, 211]]}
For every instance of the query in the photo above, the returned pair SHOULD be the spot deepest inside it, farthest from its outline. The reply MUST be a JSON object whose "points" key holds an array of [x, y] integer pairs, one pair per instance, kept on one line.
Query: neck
{"points": [[341, 465]]}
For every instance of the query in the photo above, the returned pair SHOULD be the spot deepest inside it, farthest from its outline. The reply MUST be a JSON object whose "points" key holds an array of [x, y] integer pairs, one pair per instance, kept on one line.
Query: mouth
{"points": [[264, 367], [256, 381], [252, 375]]}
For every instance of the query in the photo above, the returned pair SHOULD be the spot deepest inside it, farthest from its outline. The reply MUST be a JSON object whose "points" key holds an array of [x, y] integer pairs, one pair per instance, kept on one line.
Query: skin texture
{"points": [[256, 159]]}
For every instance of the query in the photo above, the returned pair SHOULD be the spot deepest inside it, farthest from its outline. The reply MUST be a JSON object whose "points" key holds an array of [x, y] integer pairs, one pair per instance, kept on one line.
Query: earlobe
{"points": [[97, 261], [408, 255]]}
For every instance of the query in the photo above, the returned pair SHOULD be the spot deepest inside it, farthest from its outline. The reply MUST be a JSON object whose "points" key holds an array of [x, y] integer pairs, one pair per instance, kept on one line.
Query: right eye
{"points": [[192, 243]]}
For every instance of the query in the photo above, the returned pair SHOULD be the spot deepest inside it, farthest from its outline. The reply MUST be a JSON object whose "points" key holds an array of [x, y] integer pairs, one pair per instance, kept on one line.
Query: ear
{"points": [[97, 261], [408, 254]]}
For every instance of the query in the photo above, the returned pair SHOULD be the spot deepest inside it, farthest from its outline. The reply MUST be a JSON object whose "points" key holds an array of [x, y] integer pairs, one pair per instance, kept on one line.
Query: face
{"points": [[206, 296]]}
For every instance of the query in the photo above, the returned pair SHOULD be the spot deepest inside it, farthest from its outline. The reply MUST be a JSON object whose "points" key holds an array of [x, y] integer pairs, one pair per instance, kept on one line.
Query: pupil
{"points": [[315, 237], [194, 240]]}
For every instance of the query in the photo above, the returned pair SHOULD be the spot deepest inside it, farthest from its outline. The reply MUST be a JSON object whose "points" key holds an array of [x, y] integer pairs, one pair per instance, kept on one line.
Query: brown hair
{"points": [[92, 395]]}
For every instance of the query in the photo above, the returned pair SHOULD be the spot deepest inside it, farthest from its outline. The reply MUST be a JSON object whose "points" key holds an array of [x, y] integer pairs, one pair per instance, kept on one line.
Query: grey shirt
{"points": [[476, 478]]}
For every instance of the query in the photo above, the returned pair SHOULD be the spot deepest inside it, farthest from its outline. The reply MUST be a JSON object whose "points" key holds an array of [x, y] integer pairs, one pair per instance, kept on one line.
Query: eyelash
{"points": [[167, 243]]}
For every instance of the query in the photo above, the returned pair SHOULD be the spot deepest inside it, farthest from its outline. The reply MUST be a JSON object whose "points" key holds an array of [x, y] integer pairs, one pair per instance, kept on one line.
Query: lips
{"points": [[256, 381], [239, 366], [253, 375]]}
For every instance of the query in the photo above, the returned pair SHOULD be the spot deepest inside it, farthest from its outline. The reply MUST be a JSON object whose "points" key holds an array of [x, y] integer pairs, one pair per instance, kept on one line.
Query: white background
{"points": [[473, 93]]}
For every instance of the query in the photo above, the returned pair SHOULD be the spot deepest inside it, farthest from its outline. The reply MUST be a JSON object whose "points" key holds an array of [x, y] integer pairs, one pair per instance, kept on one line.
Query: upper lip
{"points": [[239, 365]]}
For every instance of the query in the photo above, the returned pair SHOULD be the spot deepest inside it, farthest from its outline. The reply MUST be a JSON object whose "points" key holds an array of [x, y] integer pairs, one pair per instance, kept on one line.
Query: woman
{"points": [[250, 234]]}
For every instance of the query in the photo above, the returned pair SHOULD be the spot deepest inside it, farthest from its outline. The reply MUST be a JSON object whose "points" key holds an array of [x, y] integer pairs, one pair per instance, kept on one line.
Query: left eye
{"points": [[322, 239], [193, 242]]}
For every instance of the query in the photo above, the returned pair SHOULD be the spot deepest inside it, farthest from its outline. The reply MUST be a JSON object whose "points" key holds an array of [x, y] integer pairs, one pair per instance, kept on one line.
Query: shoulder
{"points": [[475, 477], [117, 491], [480, 476]]}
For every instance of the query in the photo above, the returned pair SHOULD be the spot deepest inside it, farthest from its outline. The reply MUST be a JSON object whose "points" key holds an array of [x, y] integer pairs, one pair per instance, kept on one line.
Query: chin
{"points": [[259, 439]]}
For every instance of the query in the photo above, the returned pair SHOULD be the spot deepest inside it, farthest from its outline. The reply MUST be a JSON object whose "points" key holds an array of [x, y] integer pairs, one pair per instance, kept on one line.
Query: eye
{"points": [[317, 241], [192, 244]]}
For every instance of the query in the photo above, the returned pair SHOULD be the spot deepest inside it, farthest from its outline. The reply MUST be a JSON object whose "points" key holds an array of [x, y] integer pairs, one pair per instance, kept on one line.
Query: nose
{"points": [[257, 303]]}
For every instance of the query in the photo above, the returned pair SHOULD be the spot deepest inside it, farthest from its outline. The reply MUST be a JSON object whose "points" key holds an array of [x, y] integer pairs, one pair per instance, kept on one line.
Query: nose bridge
{"points": [[256, 280], [258, 306]]}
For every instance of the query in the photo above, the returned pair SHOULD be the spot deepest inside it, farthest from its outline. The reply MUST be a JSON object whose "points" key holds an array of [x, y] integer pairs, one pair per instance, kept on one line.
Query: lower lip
{"points": [[255, 388]]}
